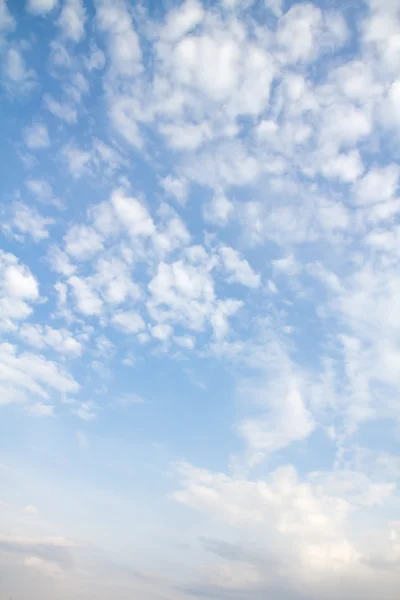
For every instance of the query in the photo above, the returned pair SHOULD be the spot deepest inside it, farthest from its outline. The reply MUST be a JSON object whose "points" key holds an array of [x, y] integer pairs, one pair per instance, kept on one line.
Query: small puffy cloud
{"points": [[186, 137], [18, 78], [26, 221], [219, 318], [182, 20], [185, 341], [86, 411], [175, 187], [7, 21], [123, 42], [87, 299], [288, 421], [378, 184], [238, 269], [64, 111], [23, 374], [41, 7], [219, 210], [42, 336], [129, 321], [36, 136], [96, 59], [346, 167], [78, 161], [288, 266], [18, 290], [133, 215], [181, 293], [19, 282], [72, 20], [162, 332], [82, 242], [43, 191]]}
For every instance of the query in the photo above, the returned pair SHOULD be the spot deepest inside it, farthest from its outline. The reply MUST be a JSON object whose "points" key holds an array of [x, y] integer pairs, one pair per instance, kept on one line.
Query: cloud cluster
{"points": [[218, 183]]}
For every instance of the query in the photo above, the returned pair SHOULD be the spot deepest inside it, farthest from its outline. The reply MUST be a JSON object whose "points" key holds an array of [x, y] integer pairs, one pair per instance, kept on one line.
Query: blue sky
{"points": [[199, 292]]}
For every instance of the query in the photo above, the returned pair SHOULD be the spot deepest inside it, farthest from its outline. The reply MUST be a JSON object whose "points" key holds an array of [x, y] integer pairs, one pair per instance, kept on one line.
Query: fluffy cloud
{"points": [[72, 20], [238, 269], [18, 78], [25, 221], [18, 290], [27, 373], [37, 136], [41, 7], [59, 340], [288, 421]]}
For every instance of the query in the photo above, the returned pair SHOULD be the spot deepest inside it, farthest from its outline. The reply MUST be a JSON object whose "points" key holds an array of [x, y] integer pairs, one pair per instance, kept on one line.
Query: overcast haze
{"points": [[199, 300]]}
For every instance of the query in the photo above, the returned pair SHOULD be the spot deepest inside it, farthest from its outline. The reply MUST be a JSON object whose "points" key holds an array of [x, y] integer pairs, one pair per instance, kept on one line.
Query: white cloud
{"points": [[87, 300], [219, 210], [175, 187], [41, 7], [129, 321], [42, 336], [297, 32], [82, 242], [36, 136], [171, 233], [124, 117], [85, 410], [181, 293], [162, 332], [192, 60], [96, 59], [186, 136], [219, 317], [309, 544], [123, 42], [262, 123], [347, 167], [7, 21], [60, 262], [26, 221], [238, 269], [182, 20], [287, 265], [18, 77], [275, 6], [287, 421], [185, 341], [18, 289], [133, 215], [113, 281], [72, 20], [27, 373], [64, 111], [18, 280], [301, 514], [77, 160], [43, 191], [378, 185]]}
